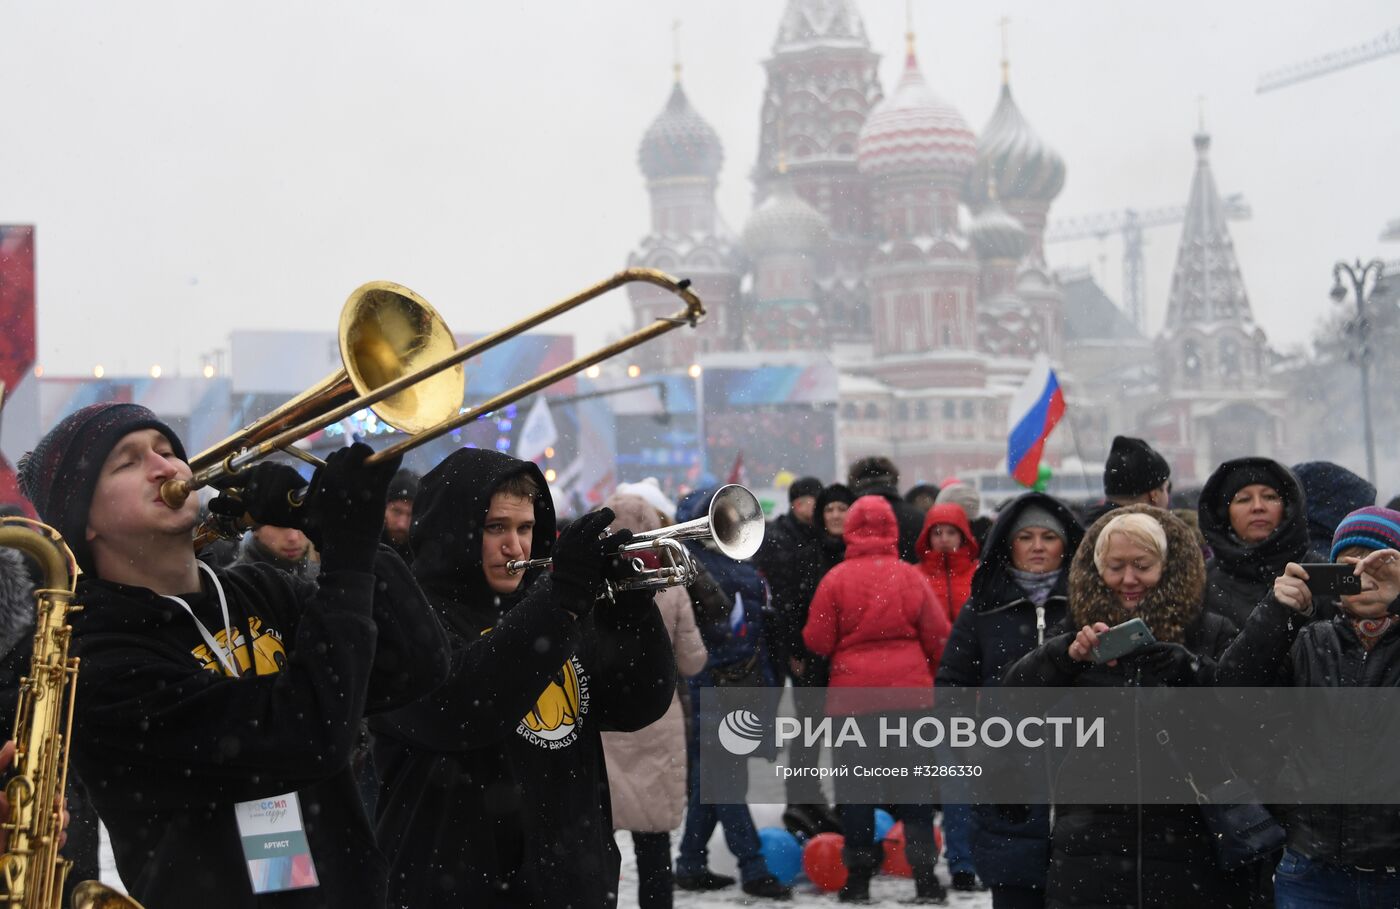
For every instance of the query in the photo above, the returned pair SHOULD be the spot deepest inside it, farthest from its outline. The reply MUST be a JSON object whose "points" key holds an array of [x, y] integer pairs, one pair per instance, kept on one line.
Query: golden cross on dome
{"points": [[676, 47], [1005, 24], [909, 28]]}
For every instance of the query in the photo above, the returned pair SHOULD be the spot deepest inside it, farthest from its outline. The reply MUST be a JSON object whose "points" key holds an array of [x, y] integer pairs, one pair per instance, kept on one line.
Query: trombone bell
{"points": [[388, 331]]}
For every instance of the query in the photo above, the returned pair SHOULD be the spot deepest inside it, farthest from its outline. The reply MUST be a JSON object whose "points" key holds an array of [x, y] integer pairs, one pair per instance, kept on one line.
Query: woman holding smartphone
{"points": [[1336, 855], [1135, 562]]}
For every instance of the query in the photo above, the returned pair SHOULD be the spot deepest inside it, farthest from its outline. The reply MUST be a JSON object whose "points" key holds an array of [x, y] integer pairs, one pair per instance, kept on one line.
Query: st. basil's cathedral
{"points": [[857, 254]]}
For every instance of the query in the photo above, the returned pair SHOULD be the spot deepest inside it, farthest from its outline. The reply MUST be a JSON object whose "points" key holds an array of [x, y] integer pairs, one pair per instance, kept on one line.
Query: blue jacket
{"points": [[737, 641]]}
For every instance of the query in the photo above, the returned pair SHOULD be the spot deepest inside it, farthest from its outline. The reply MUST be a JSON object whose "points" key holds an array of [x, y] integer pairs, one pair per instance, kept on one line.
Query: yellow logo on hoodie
{"points": [[269, 655], [555, 719]]}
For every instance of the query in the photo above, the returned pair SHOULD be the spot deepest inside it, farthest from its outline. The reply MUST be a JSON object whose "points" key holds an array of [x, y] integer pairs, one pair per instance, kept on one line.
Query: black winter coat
{"points": [[167, 743], [1278, 648], [494, 788], [793, 561], [1240, 575], [1134, 855], [997, 626]]}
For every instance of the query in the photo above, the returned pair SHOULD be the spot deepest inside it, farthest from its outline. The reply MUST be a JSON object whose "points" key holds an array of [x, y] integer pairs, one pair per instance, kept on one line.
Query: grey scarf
{"points": [[1037, 585]]}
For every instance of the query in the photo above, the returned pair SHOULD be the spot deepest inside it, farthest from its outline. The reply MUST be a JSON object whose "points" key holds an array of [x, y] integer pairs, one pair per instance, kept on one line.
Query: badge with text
{"points": [[279, 857]]}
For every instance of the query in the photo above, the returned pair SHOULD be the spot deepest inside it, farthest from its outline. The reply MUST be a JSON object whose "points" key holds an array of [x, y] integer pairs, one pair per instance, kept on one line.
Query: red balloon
{"points": [[821, 859], [895, 862]]}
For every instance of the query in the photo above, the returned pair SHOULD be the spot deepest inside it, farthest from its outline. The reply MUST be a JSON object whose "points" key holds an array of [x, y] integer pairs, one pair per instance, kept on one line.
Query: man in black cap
{"points": [[1134, 474], [398, 513], [217, 708]]}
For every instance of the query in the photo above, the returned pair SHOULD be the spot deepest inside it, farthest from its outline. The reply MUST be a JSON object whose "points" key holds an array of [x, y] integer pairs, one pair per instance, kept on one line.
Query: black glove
{"points": [[347, 500], [580, 561], [1172, 664], [617, 565], [262, 492]]}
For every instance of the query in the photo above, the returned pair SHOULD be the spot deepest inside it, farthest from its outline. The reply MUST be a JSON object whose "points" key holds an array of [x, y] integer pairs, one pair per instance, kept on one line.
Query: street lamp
{"points": [[1360, 330]]}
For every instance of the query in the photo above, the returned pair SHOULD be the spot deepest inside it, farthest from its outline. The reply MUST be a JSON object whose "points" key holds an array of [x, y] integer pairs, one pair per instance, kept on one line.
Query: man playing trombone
{"points": [[217, 710], [495, 791]]}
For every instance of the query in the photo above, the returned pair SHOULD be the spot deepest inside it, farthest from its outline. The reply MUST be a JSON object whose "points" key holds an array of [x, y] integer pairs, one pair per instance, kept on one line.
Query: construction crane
{"points": [[1131, 222], [1387, 43]]}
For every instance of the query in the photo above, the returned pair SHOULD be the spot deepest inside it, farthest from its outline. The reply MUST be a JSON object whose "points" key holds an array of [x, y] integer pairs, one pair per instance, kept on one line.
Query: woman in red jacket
{"points": [[878, 621], [948, 556]]}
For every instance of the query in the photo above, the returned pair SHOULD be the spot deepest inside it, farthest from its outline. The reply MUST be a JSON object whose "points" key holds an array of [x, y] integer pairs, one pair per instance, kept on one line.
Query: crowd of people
{"points": [[376, 698]]}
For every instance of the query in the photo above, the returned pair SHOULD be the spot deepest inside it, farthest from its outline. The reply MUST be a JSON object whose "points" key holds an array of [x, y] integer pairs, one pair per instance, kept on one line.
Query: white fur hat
{"points": [[649, 491]]}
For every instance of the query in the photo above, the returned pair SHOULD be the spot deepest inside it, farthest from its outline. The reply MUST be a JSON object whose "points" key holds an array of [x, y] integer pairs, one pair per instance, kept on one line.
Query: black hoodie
{"points": [[1241, 575], [166, 743], [494, 789]]}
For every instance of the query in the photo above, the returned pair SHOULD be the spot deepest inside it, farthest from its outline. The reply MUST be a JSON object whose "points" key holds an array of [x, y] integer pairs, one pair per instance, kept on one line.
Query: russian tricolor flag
{"points": [[1035, 409]]}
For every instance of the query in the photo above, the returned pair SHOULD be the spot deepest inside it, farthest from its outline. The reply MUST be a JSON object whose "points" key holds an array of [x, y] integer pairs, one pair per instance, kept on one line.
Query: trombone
{"points": [[392, 347], [734, 524]]}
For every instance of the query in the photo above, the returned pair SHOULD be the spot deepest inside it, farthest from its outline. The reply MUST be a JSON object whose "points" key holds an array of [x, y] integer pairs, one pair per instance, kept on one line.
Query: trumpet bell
{"points": [[736, 522], [388, 331]]}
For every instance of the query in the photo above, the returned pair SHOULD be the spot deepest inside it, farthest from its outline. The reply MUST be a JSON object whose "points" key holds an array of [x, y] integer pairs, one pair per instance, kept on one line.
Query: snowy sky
{"points": [[196, 168]]}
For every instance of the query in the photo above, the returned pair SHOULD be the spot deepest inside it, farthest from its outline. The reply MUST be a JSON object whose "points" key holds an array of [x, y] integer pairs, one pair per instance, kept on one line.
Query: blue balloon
{"points": [[781, 852], [883, 823]]}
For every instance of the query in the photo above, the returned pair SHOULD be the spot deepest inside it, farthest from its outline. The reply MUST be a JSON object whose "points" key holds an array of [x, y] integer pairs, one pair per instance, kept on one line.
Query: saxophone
{"points": [[31, 870]]}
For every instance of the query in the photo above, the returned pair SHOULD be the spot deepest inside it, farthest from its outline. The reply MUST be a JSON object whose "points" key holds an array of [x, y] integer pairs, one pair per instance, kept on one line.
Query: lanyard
{"points": [[225, 655]]}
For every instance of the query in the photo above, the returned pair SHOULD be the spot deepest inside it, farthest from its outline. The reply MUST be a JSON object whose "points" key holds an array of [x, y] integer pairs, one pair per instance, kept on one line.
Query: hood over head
{"points": [[448, 515], [1169, 608], [947, 513], [1265, 560], [996, 554], [1333, 492], [871, 528], [695, 504]]}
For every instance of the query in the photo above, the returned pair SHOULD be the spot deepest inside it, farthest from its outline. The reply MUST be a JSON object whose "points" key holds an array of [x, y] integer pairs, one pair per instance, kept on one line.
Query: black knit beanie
{"points": [[404, 486], [1248, 475], [60, 475], [1133, 468], [804, 486]]}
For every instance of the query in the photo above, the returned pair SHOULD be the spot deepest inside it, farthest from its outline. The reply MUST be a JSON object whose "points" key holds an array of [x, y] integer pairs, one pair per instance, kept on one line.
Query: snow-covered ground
{"points": [[883, 890]]}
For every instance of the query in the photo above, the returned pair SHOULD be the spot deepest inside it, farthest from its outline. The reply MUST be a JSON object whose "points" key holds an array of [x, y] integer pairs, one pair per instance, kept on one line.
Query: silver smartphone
{"points": [[1121, 640]]}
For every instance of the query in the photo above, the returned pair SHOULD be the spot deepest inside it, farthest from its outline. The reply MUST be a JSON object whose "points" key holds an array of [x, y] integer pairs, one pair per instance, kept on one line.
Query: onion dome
{"points": [[679, 143], [997, 235], [784, 223], [1015, 157], [913, 131]]}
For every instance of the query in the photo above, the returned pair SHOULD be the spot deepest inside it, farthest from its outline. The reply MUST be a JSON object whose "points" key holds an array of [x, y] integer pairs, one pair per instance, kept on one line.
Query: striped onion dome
{"points": [[913, 131], [1013, 155]]}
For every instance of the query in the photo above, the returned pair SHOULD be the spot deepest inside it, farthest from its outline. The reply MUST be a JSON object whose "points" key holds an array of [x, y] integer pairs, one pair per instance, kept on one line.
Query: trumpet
{"points": [[734, 524], [391, 344]]}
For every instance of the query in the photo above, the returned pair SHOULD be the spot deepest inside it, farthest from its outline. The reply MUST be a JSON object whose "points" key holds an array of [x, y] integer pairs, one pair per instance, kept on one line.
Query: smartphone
{"points": [[1330, 579], [1121, 640]]}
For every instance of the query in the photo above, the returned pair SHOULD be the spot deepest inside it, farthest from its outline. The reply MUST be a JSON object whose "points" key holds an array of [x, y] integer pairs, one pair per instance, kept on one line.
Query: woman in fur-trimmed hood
{"points": [[1148, 855], [1169, 607]]}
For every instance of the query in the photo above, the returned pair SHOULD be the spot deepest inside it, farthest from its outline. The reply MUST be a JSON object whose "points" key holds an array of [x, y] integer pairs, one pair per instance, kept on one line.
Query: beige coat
{"points": [[646, 768]]}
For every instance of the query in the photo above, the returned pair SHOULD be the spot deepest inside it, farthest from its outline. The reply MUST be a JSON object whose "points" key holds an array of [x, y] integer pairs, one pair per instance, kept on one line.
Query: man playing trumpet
{"points": [[217, 710], [495, 791]]}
